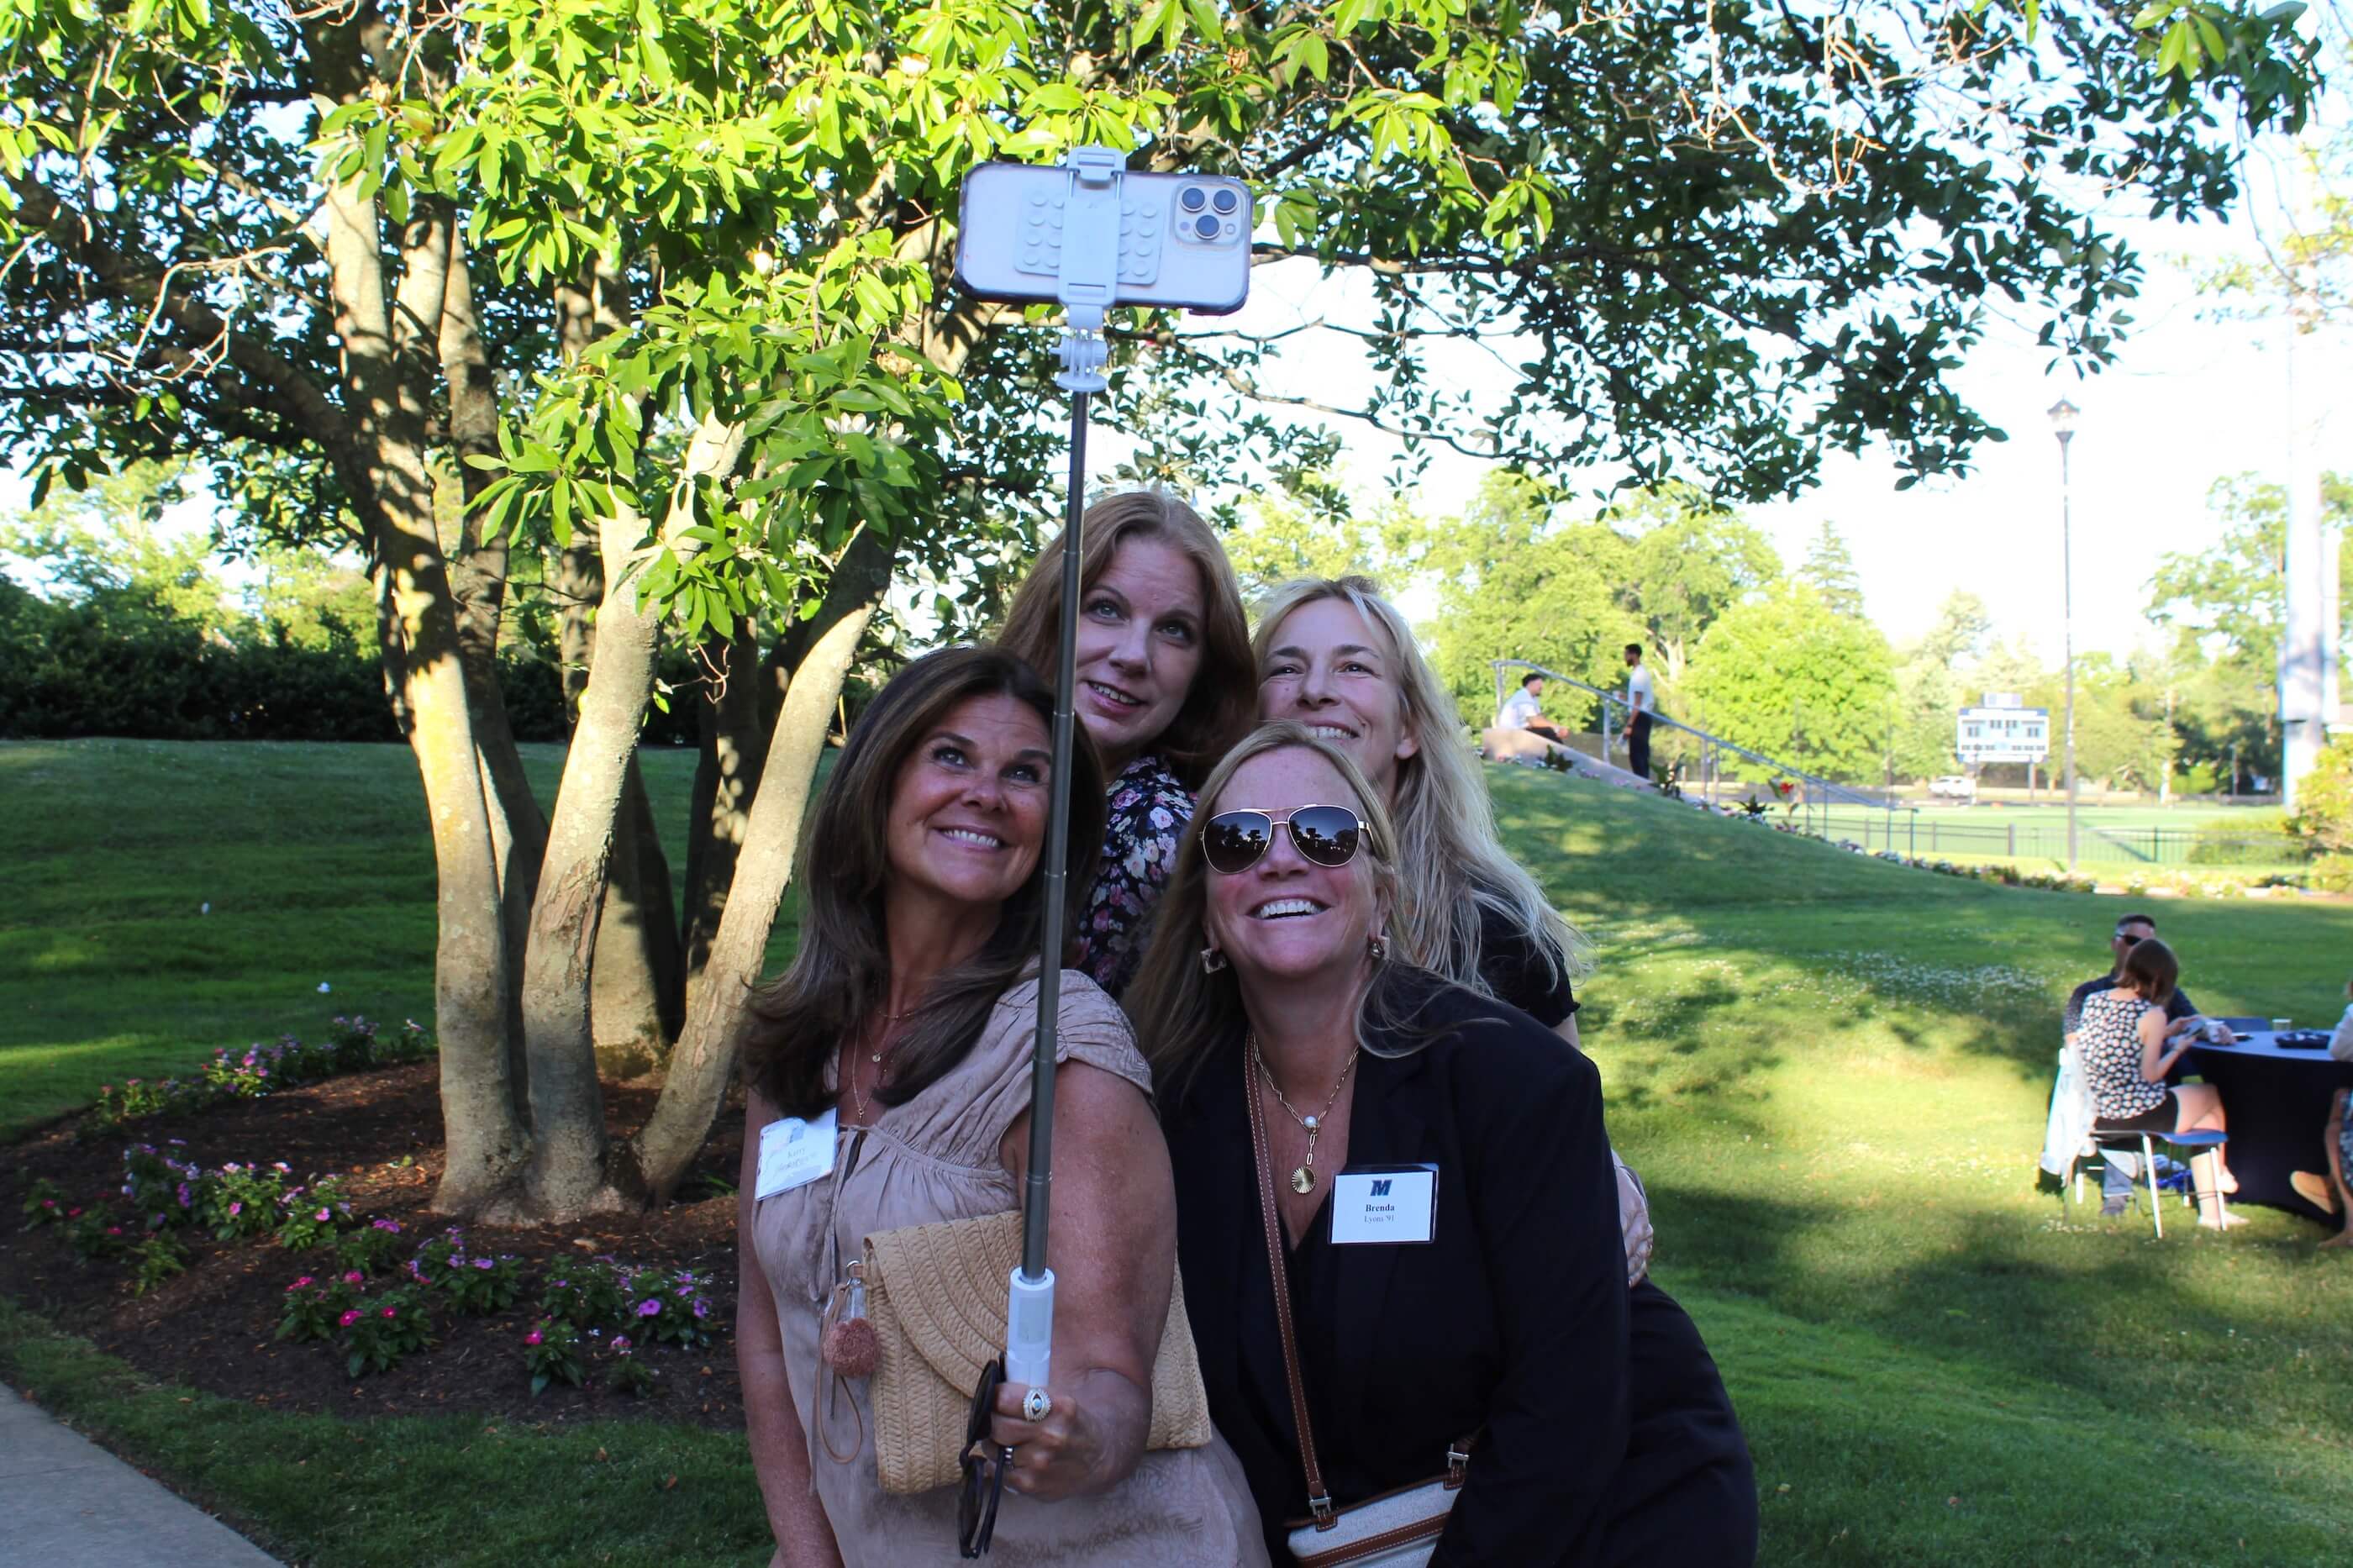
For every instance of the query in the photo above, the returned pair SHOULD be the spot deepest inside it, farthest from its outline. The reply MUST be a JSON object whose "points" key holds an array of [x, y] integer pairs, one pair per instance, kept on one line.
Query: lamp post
{"points": [[2063, 423]]}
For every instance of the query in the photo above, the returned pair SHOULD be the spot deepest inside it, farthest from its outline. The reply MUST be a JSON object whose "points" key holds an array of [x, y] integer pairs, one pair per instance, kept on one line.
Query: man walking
{"points": [[1639, 708], [1523, 710], [2115, 1188]]}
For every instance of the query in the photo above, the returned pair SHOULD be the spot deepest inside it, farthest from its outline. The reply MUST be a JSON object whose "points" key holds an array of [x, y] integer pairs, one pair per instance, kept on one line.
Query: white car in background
{"points": [[1953, 787]]}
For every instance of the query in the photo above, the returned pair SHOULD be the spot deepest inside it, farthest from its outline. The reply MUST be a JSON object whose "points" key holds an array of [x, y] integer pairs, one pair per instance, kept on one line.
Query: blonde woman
{"points": [[1335, 657], [1303, 1067]]}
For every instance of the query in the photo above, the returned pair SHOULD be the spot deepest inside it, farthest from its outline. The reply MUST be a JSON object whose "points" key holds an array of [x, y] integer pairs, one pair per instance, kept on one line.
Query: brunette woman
{"points": [[1334, 656], [1410, 1181], [896, 1053], [2129, 1046], [1165, 679]]}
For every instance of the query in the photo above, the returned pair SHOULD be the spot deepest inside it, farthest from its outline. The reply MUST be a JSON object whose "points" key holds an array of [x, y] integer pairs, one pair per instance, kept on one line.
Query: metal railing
{"points": [[1702, 773]]}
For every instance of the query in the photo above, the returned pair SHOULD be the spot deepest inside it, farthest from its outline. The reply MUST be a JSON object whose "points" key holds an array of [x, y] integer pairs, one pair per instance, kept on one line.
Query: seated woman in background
{"points": [[2332, 1191], [1292, 1041], [907, 1022], [2127, 1047], [1164, 675]]}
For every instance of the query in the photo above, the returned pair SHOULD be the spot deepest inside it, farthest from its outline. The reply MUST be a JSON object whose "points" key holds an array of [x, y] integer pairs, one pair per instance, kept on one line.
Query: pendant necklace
{"points": [[1303, 1175]]}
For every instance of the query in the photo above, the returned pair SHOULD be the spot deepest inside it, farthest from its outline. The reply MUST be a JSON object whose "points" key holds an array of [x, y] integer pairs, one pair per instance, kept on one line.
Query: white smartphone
{"points": [[1182, 239]]}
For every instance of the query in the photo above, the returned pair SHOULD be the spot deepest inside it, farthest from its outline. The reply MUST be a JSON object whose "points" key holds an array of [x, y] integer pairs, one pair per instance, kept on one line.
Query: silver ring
{"points": [[1037, 1404]]}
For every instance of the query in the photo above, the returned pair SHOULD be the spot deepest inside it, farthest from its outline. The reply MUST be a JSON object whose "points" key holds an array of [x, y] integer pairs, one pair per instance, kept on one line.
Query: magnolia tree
{"points": [[648, 300]]}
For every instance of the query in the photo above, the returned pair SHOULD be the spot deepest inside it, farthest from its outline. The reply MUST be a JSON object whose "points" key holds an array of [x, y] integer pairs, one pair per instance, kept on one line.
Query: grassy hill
{"points": [[1832, 1073]]}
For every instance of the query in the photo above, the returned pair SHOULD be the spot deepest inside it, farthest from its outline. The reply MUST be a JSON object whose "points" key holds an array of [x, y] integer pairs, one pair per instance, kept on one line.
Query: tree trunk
{"points": [[734, 745], [704, 1061], [478, 574], [387, 406], [568, 1172], [638, 1003]]}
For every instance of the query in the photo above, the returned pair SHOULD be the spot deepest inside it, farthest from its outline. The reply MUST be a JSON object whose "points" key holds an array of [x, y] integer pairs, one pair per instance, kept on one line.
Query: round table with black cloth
{"points": [[2278, 1102]]}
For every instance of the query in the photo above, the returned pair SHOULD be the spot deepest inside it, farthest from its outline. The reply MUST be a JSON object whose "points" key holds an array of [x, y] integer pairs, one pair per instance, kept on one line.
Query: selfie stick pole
{"points": [[1089, 283]]}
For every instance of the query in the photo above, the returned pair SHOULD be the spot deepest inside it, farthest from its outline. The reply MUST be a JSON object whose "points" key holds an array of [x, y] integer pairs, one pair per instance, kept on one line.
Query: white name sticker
{"points": [[1392, 1204], [794, 1152]]}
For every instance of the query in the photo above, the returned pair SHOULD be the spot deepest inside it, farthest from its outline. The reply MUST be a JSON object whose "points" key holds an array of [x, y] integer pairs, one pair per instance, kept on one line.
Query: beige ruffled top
{"points": [[936, 1158]]}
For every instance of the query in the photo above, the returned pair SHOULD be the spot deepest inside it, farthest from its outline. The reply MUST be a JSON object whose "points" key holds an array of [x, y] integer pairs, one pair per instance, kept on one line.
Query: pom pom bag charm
{"points": [[848, 1343]]}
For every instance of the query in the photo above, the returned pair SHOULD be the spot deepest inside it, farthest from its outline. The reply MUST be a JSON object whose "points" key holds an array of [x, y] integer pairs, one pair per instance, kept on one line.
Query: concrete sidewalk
{"points": [[64, 1500]]}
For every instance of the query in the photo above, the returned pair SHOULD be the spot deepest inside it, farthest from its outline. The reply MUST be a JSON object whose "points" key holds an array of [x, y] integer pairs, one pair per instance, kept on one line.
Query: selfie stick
{"points": [[1089, 287]]}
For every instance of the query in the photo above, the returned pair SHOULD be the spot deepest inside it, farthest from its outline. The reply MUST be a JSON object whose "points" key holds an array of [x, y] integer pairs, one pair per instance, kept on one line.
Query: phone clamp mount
{"points": [[1088, 236]]}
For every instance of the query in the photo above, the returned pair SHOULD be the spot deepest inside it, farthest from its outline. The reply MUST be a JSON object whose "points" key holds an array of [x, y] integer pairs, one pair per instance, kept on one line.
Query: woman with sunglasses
{"points": [[1332, 655], [1397, 1222], [1165, 676], [887, 1086]]}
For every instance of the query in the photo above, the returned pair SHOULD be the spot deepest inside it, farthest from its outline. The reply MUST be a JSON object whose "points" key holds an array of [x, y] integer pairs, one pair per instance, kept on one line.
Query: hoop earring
{"points": [[1376, 946], [1212, 961]]}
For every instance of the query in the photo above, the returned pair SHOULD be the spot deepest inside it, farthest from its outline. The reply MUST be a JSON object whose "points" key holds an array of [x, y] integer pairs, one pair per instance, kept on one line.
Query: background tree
{"points": [[1790, 677], [1830, 570], [1931, 680], [1692, 560], [661, 290]]}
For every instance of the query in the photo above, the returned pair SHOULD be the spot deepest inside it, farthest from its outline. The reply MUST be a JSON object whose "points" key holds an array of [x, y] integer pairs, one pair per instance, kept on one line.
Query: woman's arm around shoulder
{"points": [[1543, 1203], [771, 1419]]}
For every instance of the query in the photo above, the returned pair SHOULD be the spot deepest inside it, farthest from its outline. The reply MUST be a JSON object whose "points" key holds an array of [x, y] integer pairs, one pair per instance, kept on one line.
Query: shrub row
{"points": [[352, 1045]]}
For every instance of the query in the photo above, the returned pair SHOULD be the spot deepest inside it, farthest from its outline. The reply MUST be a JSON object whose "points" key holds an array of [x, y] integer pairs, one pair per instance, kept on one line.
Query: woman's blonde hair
{"points": [[1182, 1013], [1450, 859], [1218, 709]]}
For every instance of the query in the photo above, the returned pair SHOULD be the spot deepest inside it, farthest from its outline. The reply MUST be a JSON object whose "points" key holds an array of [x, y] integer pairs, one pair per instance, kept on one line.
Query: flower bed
{"points": [[213, 1305], [352, 1045]]}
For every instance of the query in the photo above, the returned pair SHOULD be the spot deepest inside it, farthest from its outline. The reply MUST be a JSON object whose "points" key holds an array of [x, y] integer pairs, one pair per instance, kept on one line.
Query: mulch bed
{"points": [[212, 1328]]}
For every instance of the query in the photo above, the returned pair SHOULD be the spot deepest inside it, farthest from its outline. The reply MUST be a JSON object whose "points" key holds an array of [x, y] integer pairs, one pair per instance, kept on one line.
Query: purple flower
{"points": [[649, 1306], [391, 1225], [532, 1337], [484, 1263], [235, 1209], [621, 1343], [702, 1308]]}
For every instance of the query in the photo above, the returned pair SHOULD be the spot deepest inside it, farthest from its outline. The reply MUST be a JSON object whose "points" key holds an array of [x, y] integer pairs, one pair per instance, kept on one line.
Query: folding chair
{"points": [[2197, 1143]]}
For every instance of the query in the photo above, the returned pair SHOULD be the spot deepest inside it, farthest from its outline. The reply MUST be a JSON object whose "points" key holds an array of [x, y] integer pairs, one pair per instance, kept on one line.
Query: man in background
{"points": [[1523, 710], [2115, 1187], [1639, 708]]}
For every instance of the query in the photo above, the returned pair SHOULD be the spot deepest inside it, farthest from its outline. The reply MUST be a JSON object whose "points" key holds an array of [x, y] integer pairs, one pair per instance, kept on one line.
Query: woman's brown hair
{"points": [[1223, 703], [841, 975], [2152, 970]]}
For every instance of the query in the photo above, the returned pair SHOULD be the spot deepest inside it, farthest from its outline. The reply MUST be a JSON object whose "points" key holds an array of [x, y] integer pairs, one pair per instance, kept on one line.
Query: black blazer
{"points": [[1512, 1322]]}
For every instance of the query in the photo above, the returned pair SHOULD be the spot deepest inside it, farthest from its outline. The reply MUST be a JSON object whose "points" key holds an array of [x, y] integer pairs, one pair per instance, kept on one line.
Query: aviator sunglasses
{"points": [[1234, 841]]}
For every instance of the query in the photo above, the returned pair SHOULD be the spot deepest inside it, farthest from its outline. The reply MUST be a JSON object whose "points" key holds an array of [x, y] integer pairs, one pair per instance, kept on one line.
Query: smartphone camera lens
{"points": [[1223, 201], [1191, 198], [1206, 227]]}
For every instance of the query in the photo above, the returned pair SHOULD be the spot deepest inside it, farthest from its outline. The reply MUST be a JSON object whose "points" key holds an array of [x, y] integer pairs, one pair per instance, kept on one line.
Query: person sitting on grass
{"points": [[2331, 1192], [2115, 1187], [1523, 710], [2128, 1049]]}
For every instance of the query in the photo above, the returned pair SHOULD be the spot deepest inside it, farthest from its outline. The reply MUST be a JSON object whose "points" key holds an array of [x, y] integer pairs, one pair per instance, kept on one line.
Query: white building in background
{"points": [[2002, 730]]}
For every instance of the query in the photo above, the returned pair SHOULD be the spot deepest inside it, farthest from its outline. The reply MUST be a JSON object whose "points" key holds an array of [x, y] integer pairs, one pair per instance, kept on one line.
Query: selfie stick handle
{"points": [[1089, 287]]}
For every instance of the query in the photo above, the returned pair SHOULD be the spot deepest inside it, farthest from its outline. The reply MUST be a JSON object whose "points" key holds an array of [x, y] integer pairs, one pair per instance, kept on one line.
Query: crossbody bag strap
{"points": [[1319, 1500]]}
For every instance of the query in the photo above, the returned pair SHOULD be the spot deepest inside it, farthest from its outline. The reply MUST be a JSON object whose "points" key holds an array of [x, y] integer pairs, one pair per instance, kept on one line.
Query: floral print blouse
{"points": [[1147, 814]]}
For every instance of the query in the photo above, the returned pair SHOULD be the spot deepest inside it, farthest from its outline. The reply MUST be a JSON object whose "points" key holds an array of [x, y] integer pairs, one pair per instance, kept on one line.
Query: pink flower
{"points": [[235, 1209], [348, 1318], [531, 1337], [621, 1343], [389, 1313], [353, 1278], [299, 1283], [322, 1216]]}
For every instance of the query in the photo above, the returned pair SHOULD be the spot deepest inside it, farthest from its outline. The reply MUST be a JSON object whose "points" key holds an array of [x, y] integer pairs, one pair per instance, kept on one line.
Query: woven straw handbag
{"points": [[936, 1295]]}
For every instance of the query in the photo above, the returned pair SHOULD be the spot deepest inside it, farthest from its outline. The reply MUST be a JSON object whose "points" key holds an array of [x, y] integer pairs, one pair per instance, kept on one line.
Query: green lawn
{"points": [[1830, 1071]]}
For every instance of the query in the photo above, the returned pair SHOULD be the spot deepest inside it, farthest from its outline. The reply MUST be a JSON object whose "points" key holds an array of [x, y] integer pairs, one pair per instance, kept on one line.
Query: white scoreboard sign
{"points": [[2004, 735]]}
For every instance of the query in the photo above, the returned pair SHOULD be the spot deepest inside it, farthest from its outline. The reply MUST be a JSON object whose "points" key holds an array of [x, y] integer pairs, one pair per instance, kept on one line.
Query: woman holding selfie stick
{"points": [[1165, 678], [888, 1079], [1397, 1221]]}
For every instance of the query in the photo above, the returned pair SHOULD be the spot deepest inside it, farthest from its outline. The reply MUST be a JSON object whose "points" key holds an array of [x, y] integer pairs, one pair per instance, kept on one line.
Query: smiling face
{"points": [[1286, 917], [1330, 669], [968, 808], [1139, 645]]}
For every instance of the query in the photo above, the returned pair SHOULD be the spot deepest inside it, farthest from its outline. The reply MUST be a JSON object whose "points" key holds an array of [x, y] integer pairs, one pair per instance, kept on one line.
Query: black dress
{"points": [[1604, 1433]]}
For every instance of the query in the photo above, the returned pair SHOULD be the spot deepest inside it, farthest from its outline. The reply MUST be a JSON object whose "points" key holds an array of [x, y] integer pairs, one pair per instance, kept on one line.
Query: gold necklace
{"points": [[858, 1097], [1303, 1175]]}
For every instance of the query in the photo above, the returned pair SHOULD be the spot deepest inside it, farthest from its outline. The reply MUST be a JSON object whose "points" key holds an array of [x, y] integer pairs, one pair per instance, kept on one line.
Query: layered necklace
{"points": [[1303, 1175]]}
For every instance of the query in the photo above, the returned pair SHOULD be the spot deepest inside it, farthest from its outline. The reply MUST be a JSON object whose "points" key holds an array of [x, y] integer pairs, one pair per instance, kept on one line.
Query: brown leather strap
{"points": [[1319, 1501]]}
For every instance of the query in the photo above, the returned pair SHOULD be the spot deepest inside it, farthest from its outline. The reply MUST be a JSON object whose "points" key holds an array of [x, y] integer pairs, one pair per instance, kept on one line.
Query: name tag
{"points": [[794, 1152], [1392, 1204]]}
